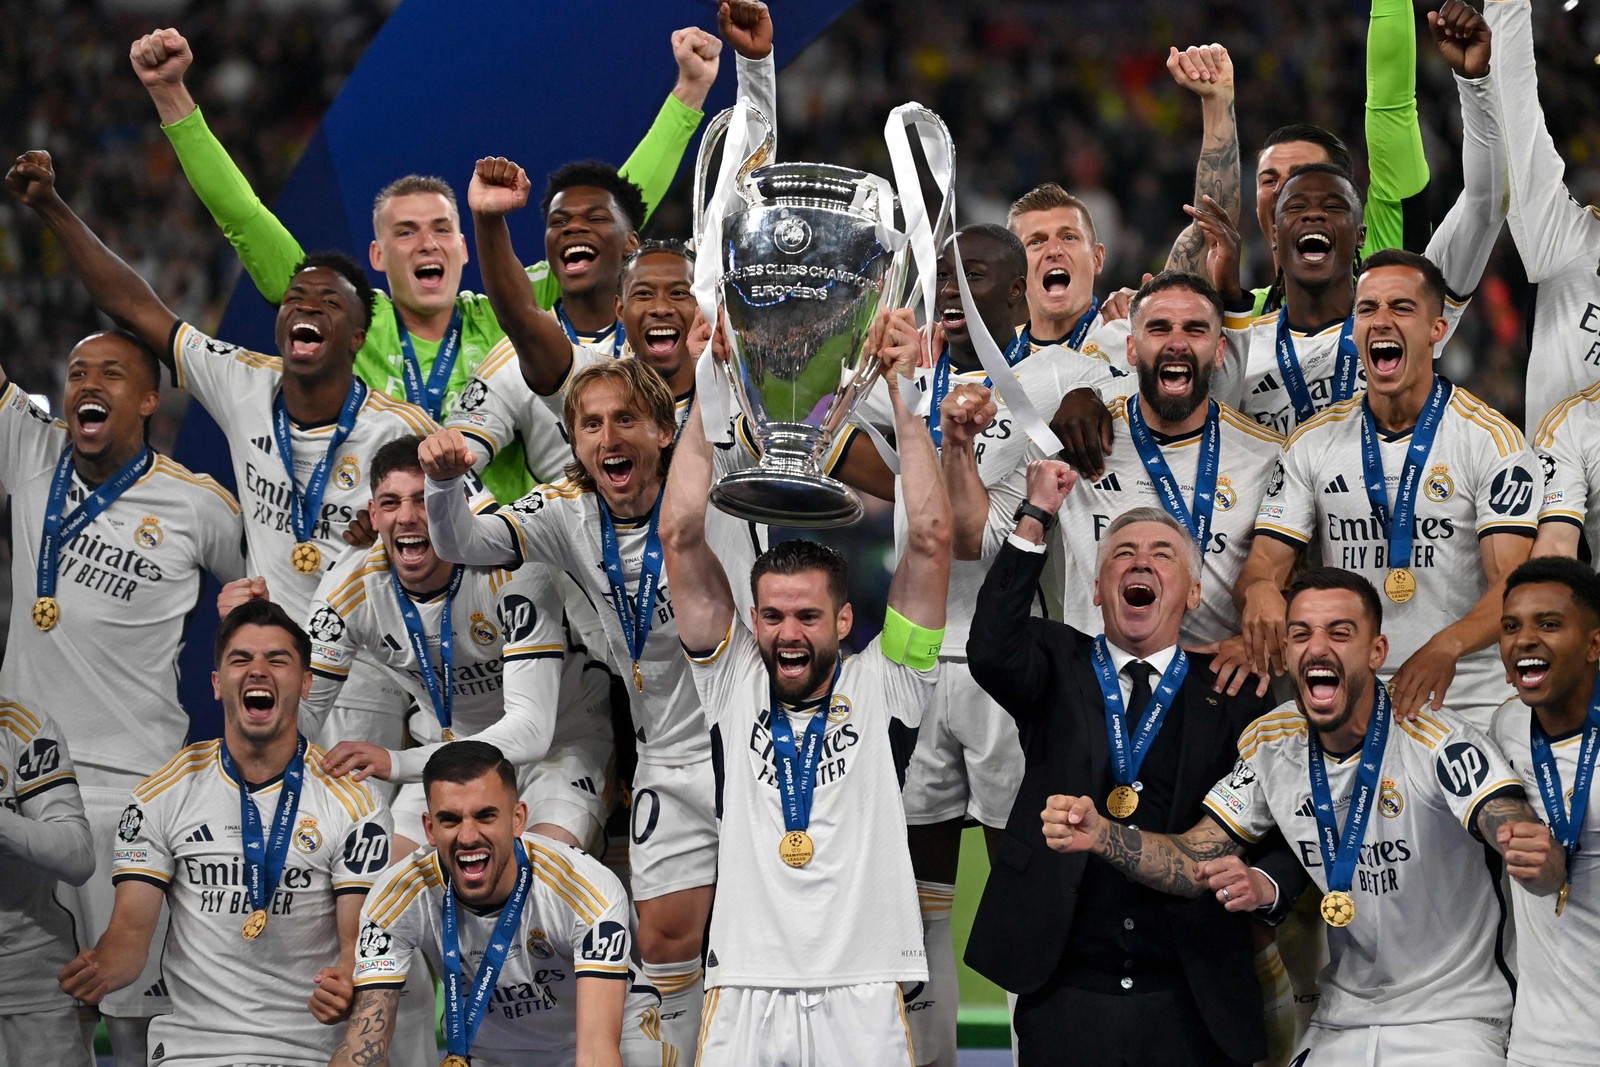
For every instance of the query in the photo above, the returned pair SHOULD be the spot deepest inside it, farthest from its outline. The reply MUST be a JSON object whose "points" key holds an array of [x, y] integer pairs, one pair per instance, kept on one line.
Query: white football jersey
{"points": [[107, 673], [1106, 341], [1571, 464], [1247, 454], [574, 924], [1001, 451], [235, 1000], [41, 811], [496, 407], [1480, 480], [850, 915], [1421, 947]]}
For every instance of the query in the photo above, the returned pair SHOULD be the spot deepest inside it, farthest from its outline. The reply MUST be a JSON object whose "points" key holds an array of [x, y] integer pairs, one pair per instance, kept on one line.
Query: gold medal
{"points": [[448, 734], [1400, 585], [256, 923], [1561, 897], [638, 677], [795, 848], [1122, 802], [306, 557], [455, 1061], [46, 613], [1338, 908]]}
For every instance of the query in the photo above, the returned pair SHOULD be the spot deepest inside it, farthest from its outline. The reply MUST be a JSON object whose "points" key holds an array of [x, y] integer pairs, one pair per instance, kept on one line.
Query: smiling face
{"points": [[619, 445], [1273, 167], [1063, 261], [401, 520], [1175, 346], [1318, 228], [997, 292], [320, 325], [657, 307], [418, 243], [1549, 644], [260, 680], [586, 236], [1144, 587], [1333, 651], [475, 826], [798, 628], [1396, 329], [111, 390]]}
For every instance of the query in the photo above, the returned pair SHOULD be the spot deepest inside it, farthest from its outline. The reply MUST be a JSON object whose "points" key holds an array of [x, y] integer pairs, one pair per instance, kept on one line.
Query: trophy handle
{"points": [[715, 132], [922, 231]]}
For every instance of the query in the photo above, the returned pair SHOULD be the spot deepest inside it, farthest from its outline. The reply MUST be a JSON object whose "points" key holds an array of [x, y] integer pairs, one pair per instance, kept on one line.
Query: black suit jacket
{"points": [[1042, 673]]}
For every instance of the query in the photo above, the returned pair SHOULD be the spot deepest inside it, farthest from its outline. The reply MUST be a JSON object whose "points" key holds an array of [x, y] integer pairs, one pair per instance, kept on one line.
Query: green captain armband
{"points": [[906, 643]]}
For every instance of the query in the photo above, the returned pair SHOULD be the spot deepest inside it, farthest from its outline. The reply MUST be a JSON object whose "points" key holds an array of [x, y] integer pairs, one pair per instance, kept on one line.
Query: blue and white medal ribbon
{"points": [[795, 768], [1128, 753], [441, 683], [463, 1013], [429, 396], [264, 858], [619, 336], [305, 507], [1196, 519], [1566, 825], [1340, 853], [635, 615], [59, 531], [1400, 584], [1015, 352], [1347, 365]]}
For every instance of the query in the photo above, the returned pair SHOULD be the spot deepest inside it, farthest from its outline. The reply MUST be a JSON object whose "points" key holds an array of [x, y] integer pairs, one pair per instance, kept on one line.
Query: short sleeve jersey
{"points": [[497, 407], [126, 585], [1556, 980], [236, 1000], [1479, 480], [37, 781], [1247, 454], [1421, 946], [1106, 341], [574, 924], [1570, 464], [850, 915]]}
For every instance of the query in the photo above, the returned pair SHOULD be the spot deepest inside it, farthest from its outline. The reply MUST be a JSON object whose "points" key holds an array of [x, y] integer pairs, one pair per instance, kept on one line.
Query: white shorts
{"points": [[1458, 1042], [968, 760], [673, 829], [43, 1039], [841, 1026], [105, 797], [571, 787]]}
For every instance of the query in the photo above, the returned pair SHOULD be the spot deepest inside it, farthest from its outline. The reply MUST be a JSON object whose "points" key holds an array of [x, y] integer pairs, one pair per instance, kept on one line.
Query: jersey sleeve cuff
{"points": [[1562, 516], [706, 658], [1520, 529], [1289, 537], [1506, 787], [138, 874], [1229, 827]]}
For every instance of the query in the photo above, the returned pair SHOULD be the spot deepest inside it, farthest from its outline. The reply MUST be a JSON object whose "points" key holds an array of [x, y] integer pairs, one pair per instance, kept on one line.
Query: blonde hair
{"points": [[645, 392], [1047, 197]]}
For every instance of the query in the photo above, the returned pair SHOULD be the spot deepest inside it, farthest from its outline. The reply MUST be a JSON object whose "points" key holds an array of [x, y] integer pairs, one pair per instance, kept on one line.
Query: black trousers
{"points": [[1062, 1026]]}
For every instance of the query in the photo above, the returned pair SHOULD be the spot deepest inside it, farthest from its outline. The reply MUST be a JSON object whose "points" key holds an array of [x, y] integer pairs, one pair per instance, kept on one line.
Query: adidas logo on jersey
{"points": [[587, 785], [1338, 485], [157, 990], [711, 958], [159, 1051], [263, 443], [1268, 384], [1306, 811], [1109, 483], [202, 834]]}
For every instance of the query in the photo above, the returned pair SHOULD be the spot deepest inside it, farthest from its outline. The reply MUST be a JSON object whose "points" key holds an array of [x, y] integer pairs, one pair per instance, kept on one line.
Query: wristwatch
{"points": [[1046, 519]]}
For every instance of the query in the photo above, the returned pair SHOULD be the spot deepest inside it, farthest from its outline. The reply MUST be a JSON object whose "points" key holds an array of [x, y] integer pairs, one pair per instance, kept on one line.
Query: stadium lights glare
{"points": [[1569, 5]]}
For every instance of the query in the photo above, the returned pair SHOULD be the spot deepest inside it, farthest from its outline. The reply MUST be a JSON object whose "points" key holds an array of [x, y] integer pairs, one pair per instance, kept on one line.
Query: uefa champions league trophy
{"points": [[808, 255]]}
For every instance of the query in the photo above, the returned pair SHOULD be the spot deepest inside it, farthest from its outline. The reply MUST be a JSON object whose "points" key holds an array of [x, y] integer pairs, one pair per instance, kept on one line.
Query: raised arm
{"points": [[921, 581], [1171, 863], [701, 597], [1207, 71], [963, 414], [369, 1031], [1395, 161], [458, 535], [115, 287]]}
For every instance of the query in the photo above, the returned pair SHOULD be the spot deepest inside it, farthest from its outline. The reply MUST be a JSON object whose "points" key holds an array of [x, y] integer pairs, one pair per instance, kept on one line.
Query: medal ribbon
{"points": [[619, 336], [1081, 329], [1196, 520], [796, 768], [59, 531], [441, 684], [1567, 828], [264, 859], [1339, 855], [1015, 352], [1398, 527], [1127, 757], [303, 507], [429, 397], [461, 1020], [1345, 367], [636, 615]]}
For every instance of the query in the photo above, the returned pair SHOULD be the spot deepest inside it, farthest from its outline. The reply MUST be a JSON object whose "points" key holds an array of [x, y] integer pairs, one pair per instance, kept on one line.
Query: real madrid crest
{"points": [[147, 534], [839, 710], [483, 631], [1390, 802], [539, 945], [1438, 486], [307, 838], [1226, 497], [347, 475]]}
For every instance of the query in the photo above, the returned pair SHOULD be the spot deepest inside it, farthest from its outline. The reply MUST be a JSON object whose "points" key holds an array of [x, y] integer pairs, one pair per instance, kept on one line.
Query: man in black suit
{"points": [[1110, 970]]}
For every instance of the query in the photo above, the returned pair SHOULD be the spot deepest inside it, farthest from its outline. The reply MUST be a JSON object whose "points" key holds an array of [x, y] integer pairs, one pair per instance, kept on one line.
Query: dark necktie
{"points": [[1138, 700]]}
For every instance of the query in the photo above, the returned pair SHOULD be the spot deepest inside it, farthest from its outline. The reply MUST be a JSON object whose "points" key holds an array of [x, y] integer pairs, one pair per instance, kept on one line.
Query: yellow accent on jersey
{"points": [[398, 894], [567, 883], [414, 417], [1507, 437], [1218, 813], [497, 358], [1293, 535], [1272, 725], [24, 792], [1427, 729], [144, 872], [191, 758], [1344, 409], [1492, 787], [716, 653], [1239, 421], [1545, 435], [19, 720], [204, 481]]}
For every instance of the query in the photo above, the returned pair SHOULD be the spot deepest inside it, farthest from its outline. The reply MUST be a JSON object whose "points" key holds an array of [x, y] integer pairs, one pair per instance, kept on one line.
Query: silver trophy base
{"points": [[787, 498]]}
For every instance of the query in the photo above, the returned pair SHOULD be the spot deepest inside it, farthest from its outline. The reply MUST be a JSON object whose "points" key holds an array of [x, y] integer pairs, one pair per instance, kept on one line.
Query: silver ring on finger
{"points": [[1225, 896]]}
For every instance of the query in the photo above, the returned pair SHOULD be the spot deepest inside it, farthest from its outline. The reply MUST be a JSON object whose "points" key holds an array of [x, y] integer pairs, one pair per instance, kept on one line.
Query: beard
{"points": [[817, 672], [1175, 408]]}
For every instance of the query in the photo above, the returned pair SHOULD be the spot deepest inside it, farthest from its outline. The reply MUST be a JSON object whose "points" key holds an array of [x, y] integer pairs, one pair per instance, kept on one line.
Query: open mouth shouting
{"points": [[411, 550], [617, 471], [1314, 247], [953, 319], [1139, 593], [305, 340], [472, 867], [578, 259], [792, 663], [429, 276], [1319, 687], [1385, 356], [1530, 673], [1175, 374], [662, 341], [1056, 281], [91, 416], [257, 703]]}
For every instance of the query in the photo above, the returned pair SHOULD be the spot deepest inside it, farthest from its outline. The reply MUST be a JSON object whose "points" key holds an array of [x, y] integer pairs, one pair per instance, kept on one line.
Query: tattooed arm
{"points": [[371, 1027], [1207, 71], [1531, 854], [1170, 863]]}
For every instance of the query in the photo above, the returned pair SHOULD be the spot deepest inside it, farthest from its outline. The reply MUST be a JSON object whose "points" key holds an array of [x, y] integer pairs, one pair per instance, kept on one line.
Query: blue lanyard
{"points": [[429, 397], [1081, 329], [59, 531], [796, 769], [461, 1021], [264, 859], [1198, 519], [688, 409], [1566, 828], [619, 336], [1339, 855], [1399, 527], [1345, 367], [304, 507], [635, 616], [1128, 756], [441, 685], [1015, 352]]}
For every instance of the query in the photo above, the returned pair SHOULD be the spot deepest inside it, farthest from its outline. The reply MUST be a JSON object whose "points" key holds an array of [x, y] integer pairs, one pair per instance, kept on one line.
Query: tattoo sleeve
{"points": [[1501, 811], [1216, 174], [1166, 862], [367, 1034]]}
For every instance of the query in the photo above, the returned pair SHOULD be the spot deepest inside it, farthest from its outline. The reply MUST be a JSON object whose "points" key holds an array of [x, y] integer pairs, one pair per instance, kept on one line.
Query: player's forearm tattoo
{"points": [[366, 1035], [1215, 174], [1164, 862], [1502, 811]]}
